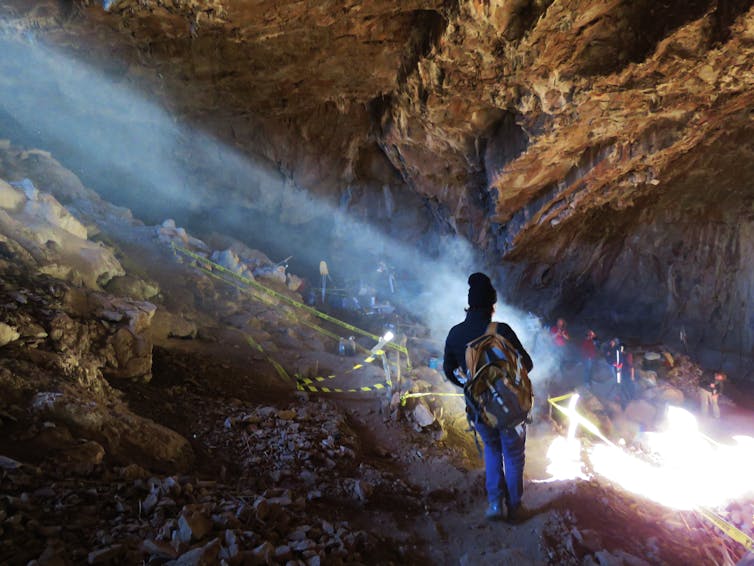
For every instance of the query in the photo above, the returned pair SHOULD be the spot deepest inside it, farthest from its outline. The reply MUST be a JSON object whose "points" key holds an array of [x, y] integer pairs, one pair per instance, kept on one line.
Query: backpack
{"points": [[498, 391]]}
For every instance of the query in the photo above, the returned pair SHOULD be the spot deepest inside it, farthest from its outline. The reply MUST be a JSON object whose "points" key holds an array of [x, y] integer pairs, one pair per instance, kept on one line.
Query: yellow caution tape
{"points": [[285, 298], [310, 380], [553, 400], [406, 396], [278, 367], [376, 388], [583, 421], [730, 530]]}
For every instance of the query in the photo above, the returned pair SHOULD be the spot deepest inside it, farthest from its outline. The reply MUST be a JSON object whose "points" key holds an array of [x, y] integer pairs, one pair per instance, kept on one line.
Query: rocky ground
{"points": [[142, 424]]}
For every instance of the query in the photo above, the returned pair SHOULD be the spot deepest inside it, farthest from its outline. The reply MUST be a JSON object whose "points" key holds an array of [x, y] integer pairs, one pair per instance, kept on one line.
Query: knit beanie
{"points": [[481, 292]]}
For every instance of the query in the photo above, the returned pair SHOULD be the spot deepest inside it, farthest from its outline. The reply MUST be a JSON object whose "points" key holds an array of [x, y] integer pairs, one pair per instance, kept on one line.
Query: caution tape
{"points": [[278, 367], [583, 421], [312, 380], [287, 299], [376, 388], [734, 533], [407, 396], [554, 400]]}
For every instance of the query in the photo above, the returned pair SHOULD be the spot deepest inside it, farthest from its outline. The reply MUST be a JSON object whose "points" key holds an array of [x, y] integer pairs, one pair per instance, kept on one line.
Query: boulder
{"points": [[641, 412], [8, 334], [168, 325], [125, 436], [82, 457], [132, 355], [10, 198], [422, 414], [132, 287], [671, 395]]}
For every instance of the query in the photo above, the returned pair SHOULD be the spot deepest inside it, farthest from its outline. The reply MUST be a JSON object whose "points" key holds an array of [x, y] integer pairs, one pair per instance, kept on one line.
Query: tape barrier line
{"points": [[285, 298], [278, 367], [730, 530], [376, 388], [407, 396], [554, 400], [312, 380], [580, 419]]}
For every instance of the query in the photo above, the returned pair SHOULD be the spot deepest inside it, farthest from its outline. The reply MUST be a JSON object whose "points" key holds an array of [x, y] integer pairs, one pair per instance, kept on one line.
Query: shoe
{"points": [[518, 515], [494, 511]]}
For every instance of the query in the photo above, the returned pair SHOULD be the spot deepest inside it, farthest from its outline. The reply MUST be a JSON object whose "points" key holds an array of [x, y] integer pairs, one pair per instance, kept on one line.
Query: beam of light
{"points": [[138, 155], [573, 423]]}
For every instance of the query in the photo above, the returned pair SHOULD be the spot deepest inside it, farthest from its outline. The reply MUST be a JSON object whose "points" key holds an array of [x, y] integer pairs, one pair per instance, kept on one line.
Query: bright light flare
{"points": [[689, 471], [388, 336], [565, 464]]}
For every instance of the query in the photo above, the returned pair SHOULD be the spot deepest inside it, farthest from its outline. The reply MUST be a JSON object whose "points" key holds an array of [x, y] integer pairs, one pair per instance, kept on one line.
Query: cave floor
{"points": [[351, 473]]}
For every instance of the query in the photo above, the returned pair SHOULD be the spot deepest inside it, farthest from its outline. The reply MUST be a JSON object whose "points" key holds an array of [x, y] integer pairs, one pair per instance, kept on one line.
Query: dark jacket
{"points": [[473, 327], [712, 385]]}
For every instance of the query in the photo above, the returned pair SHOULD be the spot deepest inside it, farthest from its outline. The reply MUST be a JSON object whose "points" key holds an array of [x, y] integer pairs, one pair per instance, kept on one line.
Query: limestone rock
{"points": [[193, 524], [8, 334], [133, 287], [169, 325], [423, 415], [125, 436]]}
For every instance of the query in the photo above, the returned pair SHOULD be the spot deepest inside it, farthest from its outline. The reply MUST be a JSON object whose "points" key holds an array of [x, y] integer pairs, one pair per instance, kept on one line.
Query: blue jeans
{"points": [[588, 369], [504, 463]]}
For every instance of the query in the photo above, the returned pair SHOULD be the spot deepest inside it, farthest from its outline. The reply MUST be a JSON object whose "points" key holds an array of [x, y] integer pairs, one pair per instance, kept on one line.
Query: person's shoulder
{"points": [[504, 328], [455, 329]]}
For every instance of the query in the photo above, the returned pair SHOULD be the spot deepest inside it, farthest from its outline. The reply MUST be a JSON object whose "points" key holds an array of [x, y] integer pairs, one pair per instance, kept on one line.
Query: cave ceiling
{"points": [[509, 117], [526, 126]]}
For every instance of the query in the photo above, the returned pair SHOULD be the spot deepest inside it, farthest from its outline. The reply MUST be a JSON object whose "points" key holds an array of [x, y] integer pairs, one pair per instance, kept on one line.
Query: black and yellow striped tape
{"points": [[376, 388]]}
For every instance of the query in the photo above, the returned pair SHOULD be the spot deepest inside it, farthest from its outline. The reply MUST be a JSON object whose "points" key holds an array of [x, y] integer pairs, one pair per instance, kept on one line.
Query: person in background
{"points": [[616, 359], [589, 354], [503, 449], [709, 391], [560, 337], [559, 333], [628, 383]]}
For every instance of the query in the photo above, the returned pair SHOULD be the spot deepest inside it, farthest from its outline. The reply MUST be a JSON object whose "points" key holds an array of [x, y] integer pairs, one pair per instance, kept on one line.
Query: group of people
{"points": [[620, 361], [504, 449], [622, 364]]}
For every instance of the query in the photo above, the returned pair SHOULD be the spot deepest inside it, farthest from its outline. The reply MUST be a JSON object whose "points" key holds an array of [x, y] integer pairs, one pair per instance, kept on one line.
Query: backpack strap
{"points": [[472, 354]]}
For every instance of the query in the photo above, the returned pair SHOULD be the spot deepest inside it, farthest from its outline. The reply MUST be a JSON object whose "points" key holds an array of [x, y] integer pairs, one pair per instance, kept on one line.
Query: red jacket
{"points": [[589, 349]]}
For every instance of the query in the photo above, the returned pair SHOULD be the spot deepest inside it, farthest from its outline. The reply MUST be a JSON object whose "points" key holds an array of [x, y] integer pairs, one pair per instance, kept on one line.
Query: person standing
{"points": [[710, 391], [623, 375], [561, 338], [589, 354], [504, 450]]}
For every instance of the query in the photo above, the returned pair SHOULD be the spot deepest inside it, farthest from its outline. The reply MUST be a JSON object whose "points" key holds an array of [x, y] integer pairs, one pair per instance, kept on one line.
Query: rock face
{"points": [[597, 152]]}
